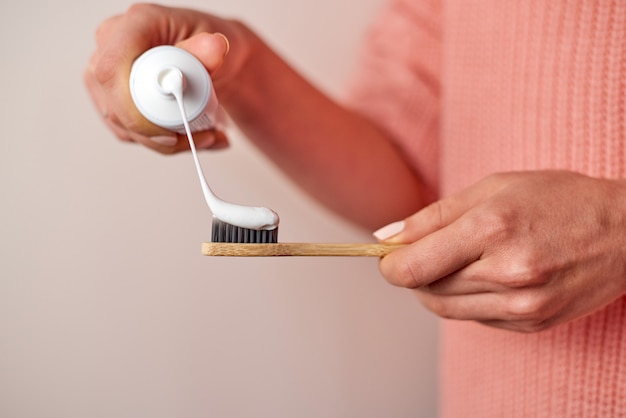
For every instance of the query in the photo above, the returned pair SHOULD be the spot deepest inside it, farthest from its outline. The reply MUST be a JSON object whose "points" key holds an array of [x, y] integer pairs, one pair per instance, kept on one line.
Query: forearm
{"points": [[337, 156]]}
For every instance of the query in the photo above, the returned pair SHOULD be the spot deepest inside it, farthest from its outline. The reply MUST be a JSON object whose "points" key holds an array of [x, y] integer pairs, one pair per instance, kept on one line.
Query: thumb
{"points": [[209, 48]]}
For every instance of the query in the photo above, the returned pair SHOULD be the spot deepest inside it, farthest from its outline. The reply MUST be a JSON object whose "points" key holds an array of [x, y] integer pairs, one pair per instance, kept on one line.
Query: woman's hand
{"points": [[121, 39], [519, 251]]}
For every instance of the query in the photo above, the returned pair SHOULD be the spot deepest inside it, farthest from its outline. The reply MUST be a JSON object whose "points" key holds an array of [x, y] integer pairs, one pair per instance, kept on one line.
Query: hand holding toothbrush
{"points": [[522, 251]]}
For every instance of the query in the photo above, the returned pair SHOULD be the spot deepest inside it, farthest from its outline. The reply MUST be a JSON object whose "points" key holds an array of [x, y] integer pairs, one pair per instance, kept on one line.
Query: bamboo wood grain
{"points": [[286, 249]]}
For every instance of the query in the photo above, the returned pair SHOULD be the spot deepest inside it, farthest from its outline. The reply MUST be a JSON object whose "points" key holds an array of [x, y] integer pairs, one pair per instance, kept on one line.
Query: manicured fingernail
{"points": [[389, 231], [225, 40], [166, 140]]}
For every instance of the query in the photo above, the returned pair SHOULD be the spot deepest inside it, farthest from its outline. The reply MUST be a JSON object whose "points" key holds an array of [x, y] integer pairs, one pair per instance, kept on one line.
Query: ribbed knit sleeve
{"points": [[396, 83]]}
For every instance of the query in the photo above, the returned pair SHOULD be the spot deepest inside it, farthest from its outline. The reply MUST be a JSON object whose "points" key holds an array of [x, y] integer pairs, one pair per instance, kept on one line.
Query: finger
{"points": [[494, 309], [101, 104], [474, 278], [119, 131], [445, 211], [520, 326], [94, 90], [123, 40], [105, 29], [211, 139], [483, 275], [176, 142], [209, 48], [483, 307], [539, 319], [433, 257], [527, 310]]}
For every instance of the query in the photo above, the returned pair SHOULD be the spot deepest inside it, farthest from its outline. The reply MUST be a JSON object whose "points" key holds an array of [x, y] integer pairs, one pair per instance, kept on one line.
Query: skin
{"points": [[521, 251]]}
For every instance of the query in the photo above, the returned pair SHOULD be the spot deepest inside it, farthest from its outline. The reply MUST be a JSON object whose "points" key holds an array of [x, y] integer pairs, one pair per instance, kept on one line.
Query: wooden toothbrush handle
{"points": [[297, 249]]}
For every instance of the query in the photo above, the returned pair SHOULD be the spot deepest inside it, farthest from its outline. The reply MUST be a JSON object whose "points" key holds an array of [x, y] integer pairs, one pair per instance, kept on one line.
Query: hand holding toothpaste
{"points": [[121, 39]]}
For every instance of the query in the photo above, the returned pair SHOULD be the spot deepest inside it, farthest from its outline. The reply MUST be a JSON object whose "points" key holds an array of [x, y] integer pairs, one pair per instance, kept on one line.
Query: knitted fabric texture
{"points": [[467, 88]]}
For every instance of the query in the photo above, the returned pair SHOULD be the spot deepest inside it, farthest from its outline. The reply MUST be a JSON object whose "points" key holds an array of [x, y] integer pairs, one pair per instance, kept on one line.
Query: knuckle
{"points": [[498, 223], [434, 214], [441, 309], [526, 273], [104, 71], [436, 305], [146, 15], [530, 307], [407, 274], [141, 9]]}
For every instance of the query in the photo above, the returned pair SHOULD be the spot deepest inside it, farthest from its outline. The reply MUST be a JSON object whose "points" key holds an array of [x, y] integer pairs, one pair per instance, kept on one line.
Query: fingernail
{"points": [[166, 140], [225, 40], [389, 231]]}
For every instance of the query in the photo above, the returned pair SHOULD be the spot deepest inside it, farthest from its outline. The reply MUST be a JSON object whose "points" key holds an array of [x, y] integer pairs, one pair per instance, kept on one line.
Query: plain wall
{"points": [[107, 307]]}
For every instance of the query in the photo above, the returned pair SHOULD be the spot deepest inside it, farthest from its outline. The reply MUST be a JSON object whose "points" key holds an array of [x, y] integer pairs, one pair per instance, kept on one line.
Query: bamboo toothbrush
{"points": [[297, 249]]}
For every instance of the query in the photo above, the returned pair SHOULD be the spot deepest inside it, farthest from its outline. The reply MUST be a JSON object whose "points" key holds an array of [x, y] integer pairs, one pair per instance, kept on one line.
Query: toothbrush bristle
{"points": [[225, 232]]}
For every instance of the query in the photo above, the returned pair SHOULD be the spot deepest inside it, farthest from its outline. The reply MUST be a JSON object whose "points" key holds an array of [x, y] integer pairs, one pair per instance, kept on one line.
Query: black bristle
{"points": [[225, 232]]}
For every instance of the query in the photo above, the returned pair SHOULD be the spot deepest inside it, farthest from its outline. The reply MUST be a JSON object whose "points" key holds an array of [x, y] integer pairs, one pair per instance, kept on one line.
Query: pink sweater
{"points": [[468, 88]]}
